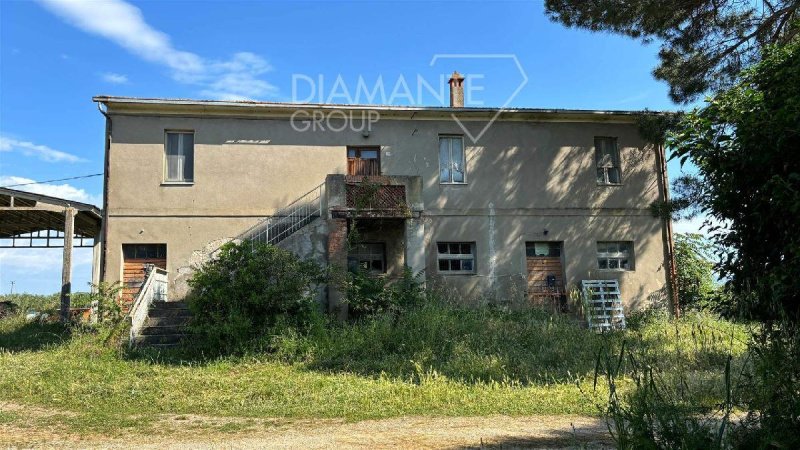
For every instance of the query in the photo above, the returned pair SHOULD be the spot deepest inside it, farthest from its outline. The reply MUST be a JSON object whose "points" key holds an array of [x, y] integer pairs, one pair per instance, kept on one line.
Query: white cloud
{"points": [[124, 24], [42, 152], [114, 78], [54, 190]]}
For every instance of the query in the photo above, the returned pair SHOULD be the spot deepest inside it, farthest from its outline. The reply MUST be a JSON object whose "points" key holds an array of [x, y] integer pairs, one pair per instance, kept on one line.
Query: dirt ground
{"points": [[199, 432]]}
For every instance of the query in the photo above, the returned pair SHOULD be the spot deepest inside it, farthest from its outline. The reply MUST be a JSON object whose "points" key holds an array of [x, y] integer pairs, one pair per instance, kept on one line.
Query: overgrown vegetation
{"points": [[434, 359], [697, 288], [368, 294], [247, 290], [744, 142]]}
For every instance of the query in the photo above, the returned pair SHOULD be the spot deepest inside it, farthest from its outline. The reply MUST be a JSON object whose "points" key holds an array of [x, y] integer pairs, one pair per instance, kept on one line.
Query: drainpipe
{"points": [[669, 243], [104, 233]]}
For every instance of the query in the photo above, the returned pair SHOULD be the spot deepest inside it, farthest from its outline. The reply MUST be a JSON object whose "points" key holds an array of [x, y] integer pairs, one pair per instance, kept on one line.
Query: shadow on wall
{"points": [[551, 166]]}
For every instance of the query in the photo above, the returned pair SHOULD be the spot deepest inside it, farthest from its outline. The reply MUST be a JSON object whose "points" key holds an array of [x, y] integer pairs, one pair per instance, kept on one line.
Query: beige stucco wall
{"points": [[532, 175]]}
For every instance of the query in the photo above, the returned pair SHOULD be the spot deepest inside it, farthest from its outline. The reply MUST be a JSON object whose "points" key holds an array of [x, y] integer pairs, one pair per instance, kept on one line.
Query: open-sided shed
{"points": [[29, 220]]}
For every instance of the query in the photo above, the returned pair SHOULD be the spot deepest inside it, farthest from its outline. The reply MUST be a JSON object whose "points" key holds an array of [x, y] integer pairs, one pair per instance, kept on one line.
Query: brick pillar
{"points": [[337, 260]]}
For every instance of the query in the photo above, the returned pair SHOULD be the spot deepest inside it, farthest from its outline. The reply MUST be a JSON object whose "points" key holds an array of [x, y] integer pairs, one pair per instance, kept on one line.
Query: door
{"points": [[545, 275], [363, 161], [136, 258]]}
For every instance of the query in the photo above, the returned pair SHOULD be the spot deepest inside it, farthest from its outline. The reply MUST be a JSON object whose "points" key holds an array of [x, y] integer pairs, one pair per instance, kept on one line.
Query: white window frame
{"points": [[616, 163], [452, 137], [181, 134], [617, 256], [456, 256]]}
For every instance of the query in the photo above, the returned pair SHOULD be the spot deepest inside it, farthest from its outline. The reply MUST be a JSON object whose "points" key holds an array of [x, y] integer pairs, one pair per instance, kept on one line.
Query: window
{"points": [[615, 255], [180, 157], [369, 256], [363, 161], [144, 251], [456, 257], [607, 158], [452, 168], [552, 249]]}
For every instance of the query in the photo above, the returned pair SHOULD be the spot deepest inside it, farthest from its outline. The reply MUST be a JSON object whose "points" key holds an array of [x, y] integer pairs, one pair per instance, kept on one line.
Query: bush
{"points": [[368, 294], [249, 289]]}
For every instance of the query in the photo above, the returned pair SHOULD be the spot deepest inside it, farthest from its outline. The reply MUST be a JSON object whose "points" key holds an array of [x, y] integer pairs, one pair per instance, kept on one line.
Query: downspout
{"points": [[668, 241], [104, 238]]}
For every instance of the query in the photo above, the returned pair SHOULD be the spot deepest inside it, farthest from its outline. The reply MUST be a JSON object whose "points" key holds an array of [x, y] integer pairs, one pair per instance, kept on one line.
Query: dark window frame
{"points": [[131, 251]]}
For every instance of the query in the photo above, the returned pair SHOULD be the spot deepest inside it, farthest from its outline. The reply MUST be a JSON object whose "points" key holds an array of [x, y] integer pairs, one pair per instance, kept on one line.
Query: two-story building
{"points": [[543, 199]]}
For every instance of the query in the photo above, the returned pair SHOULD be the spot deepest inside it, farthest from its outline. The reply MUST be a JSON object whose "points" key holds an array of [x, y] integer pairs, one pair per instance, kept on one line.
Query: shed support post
{"points": [[66, 268]]}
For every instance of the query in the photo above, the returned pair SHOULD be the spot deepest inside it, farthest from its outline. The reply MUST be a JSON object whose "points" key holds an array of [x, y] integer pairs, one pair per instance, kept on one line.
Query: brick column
{"points": [[337, 261]]}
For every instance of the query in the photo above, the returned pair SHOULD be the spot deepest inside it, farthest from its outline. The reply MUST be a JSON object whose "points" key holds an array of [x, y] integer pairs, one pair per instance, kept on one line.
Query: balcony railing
{"points": [[373, 196]]}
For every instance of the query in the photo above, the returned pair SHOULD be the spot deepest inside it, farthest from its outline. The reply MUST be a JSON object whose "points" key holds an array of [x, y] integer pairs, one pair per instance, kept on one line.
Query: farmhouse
{"points": [[516, 205]]}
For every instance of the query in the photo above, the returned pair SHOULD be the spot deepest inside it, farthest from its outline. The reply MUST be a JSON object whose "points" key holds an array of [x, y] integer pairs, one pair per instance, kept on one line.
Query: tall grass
{"points": [[438, 359]]}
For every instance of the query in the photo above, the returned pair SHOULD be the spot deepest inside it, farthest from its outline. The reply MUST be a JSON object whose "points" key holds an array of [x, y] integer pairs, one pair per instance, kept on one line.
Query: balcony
{"points": [[380, 196]]}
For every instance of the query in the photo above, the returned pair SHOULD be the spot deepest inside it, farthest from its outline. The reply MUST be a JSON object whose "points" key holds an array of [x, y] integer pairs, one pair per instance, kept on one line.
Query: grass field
{"points": [[435, 361]]}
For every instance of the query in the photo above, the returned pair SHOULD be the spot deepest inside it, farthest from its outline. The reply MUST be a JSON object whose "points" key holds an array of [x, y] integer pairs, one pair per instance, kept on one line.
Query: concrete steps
{"points": [[165, 325]]}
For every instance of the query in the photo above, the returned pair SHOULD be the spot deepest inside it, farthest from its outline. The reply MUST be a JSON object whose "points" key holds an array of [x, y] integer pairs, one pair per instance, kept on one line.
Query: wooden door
{"points": [[546, 287], [136, 257], [364, 161]]}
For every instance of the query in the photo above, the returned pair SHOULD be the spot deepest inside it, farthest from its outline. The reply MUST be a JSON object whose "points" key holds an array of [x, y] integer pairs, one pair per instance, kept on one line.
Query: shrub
{"points": [[369, 294], [250, 288]]}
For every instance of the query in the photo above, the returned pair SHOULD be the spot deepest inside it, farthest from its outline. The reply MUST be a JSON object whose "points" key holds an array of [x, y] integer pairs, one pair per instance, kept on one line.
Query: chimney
{"points": [[456, 90]]}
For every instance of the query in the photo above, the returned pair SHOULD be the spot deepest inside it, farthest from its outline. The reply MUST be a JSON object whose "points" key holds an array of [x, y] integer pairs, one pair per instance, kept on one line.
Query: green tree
{"points": [[695, 270], [705, 43], [746, 145]]}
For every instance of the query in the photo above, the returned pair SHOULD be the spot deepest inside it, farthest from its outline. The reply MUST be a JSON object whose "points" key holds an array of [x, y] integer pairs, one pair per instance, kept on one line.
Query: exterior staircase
{"points": [[287, 220], [156, 322], [164, 326]]}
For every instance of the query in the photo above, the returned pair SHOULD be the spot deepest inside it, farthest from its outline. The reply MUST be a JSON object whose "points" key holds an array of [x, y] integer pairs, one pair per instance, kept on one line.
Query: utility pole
{"points": [[12, 287]]}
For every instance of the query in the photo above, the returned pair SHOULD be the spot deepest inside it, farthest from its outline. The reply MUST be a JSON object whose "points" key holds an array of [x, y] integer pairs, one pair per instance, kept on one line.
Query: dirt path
{"points": [[198, 432]]}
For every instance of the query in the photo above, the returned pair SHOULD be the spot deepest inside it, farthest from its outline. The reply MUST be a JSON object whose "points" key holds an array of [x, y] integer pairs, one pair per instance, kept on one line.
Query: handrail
{"points": [[153, 289], [285, 221]]}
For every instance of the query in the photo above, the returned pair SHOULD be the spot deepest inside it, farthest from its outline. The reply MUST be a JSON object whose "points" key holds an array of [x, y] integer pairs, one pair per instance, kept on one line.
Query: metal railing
{"points": [[285, 221], [154, 289]]}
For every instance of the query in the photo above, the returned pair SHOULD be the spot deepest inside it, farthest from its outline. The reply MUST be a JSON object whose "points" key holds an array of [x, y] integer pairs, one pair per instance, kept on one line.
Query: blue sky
{"points": [[56, 55]]}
